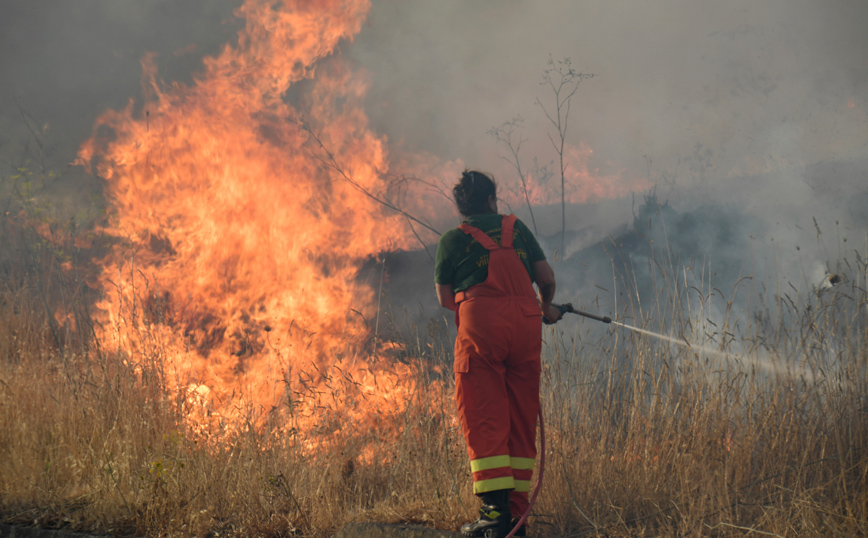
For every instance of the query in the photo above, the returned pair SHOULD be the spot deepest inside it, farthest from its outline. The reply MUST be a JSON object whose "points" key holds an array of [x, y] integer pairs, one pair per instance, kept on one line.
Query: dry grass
{"points": [[644, 438]]}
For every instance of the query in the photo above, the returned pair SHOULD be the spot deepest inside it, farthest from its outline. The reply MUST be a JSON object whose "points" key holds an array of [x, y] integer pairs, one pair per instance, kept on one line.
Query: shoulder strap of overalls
{"points": [[506, 227]]}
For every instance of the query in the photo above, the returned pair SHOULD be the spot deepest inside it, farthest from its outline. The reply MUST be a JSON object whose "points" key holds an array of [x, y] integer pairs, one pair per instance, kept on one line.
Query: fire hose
{"points": [[563, 309]]}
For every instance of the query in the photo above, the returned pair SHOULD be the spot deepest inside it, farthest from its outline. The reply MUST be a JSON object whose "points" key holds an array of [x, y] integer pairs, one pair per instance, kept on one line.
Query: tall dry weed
{"points": [[759, 428]]}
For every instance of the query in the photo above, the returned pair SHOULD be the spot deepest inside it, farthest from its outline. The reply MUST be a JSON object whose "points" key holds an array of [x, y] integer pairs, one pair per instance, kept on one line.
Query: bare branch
{"points": [[331, 162], [564, 82], [504, 135]]}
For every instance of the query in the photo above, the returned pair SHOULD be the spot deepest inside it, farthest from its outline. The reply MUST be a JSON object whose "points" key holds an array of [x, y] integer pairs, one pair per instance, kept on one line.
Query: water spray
{"points": [[763, 364], [568, 308]]}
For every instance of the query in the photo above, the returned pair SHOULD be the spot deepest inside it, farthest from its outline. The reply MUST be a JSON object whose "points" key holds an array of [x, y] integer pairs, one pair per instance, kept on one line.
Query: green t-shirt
{"points": [[463, 262]]}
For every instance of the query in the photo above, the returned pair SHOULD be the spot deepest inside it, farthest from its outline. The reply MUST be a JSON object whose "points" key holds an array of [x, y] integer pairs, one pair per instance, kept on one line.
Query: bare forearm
{"points": [[546, 294], [544, 277]]}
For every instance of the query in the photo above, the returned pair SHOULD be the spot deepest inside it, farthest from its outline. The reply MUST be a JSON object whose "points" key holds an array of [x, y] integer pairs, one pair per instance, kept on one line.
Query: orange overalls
{"points": [[497, 370]]}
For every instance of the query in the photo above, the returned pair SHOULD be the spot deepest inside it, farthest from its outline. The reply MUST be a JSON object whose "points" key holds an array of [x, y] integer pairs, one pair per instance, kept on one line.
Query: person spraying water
{"points": [[485, 271]]}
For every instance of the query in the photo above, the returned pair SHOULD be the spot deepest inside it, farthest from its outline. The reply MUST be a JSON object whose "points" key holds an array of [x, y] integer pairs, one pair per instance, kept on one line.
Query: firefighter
{"points": [[484, 271]]}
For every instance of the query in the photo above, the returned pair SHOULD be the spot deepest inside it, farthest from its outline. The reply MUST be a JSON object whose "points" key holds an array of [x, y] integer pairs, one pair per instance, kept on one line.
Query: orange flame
{"points": [[238, 251]]}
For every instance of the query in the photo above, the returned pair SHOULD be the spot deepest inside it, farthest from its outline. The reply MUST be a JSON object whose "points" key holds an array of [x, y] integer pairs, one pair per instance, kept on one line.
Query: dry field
{"points": [[765, 436]]}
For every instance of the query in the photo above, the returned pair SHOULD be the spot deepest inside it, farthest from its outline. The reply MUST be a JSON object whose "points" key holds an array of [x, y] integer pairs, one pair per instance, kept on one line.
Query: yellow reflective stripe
{"points": [[522, 486], [493, 462], [493, 484], [522, 464], [494, 514]]}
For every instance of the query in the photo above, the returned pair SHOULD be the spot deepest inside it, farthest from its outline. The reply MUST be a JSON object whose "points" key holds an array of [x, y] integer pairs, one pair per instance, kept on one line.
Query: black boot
{"points": [[494, 517]]}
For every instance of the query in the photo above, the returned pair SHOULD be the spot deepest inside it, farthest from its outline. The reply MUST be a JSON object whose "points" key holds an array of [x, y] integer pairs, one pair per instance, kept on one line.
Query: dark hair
{"points": [[472, 191]]}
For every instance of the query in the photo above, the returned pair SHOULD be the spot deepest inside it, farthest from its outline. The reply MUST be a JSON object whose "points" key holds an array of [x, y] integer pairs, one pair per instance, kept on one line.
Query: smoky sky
{"points": [[782, 80], [757, 83], [63, 63], [740, 104]]}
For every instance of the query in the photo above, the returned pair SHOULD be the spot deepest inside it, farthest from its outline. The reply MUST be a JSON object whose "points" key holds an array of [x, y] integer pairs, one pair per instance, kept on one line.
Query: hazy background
{"points": [[773, 82], [754, 109]]}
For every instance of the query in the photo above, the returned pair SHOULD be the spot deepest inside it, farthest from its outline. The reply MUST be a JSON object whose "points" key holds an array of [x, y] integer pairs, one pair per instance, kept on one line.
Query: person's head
{"points": [[475, 193]]}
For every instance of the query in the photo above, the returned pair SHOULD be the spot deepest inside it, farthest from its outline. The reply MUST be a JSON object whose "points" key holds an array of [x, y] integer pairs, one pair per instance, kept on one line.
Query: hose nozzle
{"points": [[568, 307]]}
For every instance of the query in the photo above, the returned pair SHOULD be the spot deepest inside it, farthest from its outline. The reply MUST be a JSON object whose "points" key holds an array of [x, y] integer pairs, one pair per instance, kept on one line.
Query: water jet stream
{"points": [[765, 365]]}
